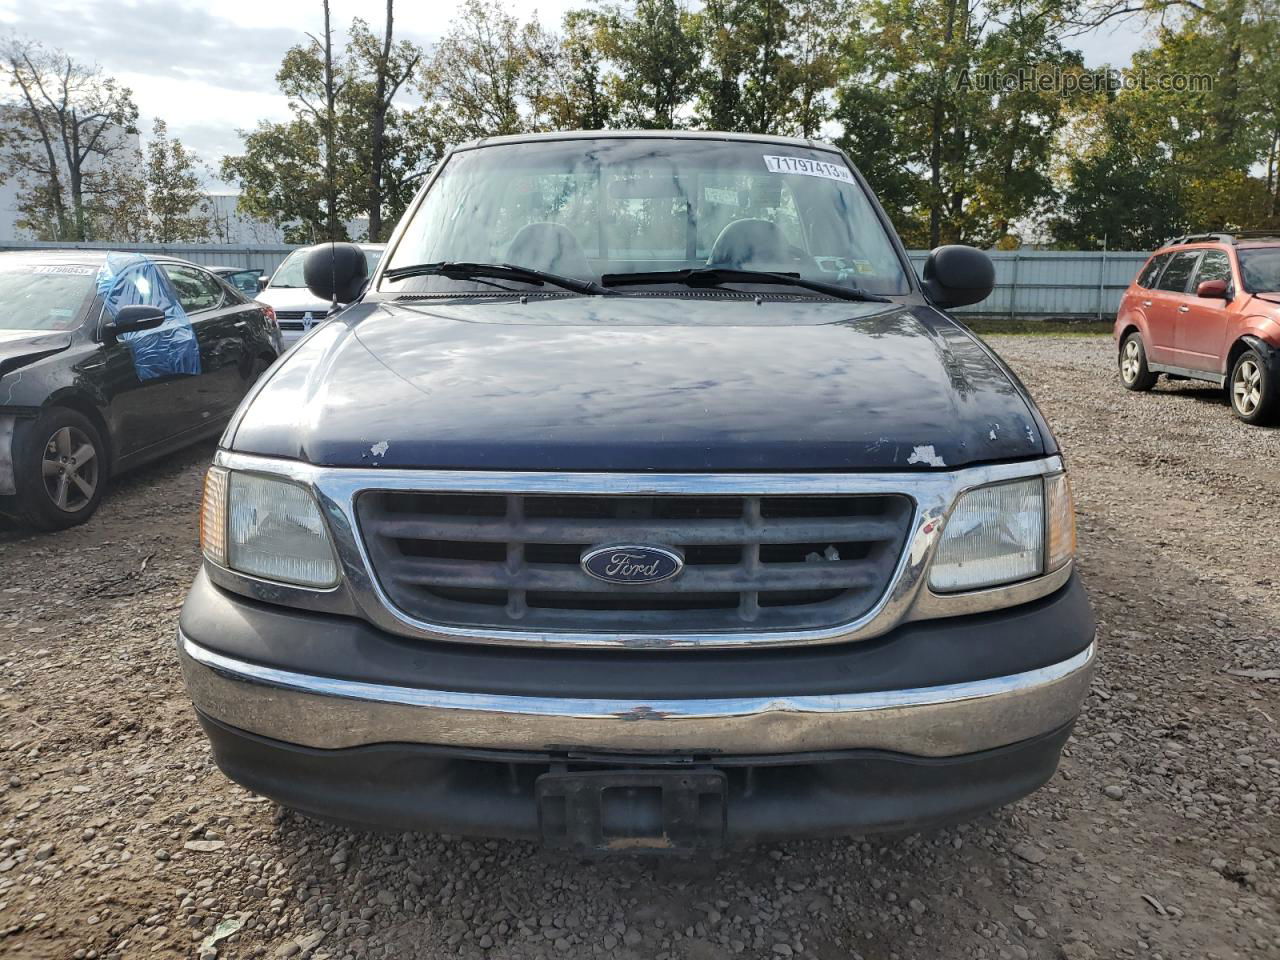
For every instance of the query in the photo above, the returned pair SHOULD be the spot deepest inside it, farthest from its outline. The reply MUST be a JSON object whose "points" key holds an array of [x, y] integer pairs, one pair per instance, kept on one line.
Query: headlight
{"points": [[1004, 533], [265, 527]]}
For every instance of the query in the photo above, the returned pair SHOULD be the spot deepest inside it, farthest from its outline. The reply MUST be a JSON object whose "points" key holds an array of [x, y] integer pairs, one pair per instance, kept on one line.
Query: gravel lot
{"points": [[1159, 838]]}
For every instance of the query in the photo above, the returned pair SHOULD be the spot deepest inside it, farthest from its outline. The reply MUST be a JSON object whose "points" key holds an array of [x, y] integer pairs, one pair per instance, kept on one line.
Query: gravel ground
{"points": [[1159, 838]]}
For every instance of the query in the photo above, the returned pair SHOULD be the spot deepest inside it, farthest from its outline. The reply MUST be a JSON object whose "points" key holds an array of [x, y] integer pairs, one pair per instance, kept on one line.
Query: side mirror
{"points": [[956, 276], [263, 280], [136, 316], [336, 271], [1213, 289]]}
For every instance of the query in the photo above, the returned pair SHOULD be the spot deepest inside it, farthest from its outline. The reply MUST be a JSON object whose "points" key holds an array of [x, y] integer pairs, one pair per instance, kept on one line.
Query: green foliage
{"points": [[654, 51], [964, 159], [176, 205]]}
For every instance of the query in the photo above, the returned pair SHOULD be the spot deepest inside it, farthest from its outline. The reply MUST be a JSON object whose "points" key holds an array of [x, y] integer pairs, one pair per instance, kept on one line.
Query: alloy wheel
{"points": [[1246, 387], [70, 468], [1130, 362]]}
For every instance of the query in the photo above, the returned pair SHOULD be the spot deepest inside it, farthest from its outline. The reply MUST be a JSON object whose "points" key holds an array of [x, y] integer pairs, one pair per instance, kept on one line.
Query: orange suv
{"points": [[1207, 307]]}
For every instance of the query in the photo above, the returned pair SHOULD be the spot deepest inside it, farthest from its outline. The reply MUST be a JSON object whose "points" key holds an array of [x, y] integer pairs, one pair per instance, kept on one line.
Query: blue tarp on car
{"points": [[126, 279]]}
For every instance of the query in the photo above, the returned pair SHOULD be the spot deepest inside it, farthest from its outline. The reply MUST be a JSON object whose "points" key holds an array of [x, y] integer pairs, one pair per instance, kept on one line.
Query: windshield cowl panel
{"points": [[582, 209]]}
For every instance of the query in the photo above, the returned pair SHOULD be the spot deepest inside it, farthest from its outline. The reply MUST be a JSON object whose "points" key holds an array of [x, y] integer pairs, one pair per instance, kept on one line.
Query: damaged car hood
{"points": [[20, 347], [664, 383]]}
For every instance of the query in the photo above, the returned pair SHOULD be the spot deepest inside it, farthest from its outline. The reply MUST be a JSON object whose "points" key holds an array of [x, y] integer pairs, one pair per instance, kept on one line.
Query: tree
{"points": [[976, 153], [771, 79], [68, 122], [818, 30], [390, 65], [654, 50], [178, 210], [580, 99], [725, 57], [486, 77], [1122, 191], [308, 75]]}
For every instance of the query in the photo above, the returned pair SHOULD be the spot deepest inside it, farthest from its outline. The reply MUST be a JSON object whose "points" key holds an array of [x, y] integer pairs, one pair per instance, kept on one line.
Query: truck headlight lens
{"points": [[266, 527], [994, 535]]}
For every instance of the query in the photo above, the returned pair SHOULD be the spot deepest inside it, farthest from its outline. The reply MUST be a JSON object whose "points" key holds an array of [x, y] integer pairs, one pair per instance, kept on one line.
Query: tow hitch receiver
{"points": [[610, 811]]}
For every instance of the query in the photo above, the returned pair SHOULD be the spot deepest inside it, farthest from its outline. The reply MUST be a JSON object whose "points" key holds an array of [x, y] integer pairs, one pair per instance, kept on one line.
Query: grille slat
{"points": [[513, 561], [552, 576], [688, 533]]}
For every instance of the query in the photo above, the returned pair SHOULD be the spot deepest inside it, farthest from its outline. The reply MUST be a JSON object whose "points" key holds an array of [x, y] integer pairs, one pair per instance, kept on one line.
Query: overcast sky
{"points": [[208, 69]]}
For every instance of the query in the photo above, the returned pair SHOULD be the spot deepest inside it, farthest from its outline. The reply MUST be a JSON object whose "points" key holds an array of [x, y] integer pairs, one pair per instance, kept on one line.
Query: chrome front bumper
{"points": [[938, 721]]}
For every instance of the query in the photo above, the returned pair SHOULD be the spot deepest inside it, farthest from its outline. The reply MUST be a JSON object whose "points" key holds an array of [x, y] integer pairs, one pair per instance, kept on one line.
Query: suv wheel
{"points": [[60, 469], [1134, 373], [1253, 389]]}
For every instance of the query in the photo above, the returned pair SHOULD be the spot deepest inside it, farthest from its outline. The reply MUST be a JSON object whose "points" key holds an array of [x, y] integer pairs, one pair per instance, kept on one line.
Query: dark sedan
{"points": [[108, 361]]}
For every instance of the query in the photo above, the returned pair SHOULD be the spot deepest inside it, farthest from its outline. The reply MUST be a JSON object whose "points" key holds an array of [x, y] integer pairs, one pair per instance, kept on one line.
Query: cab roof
{"points": [[649, 135]]}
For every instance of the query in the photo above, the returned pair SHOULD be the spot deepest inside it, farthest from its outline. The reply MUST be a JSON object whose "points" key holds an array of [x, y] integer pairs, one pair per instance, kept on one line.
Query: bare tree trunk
{"points": [[54, 186], [1273, 172], [377, 132], [935, 133], [330, 133]]}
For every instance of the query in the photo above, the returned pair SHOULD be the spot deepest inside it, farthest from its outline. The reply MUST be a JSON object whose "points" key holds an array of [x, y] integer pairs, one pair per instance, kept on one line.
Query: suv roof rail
{"points": [[1202, 238], [1225, 237]]}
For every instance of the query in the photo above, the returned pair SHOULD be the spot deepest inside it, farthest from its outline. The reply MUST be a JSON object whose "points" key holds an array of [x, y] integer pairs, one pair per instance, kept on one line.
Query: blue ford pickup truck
{"points": [[643, 499]]}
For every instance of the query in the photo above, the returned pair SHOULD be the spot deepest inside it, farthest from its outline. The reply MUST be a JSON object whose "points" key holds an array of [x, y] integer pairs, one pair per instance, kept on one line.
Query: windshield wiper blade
{"points": [[466, 270], [712, 276]]}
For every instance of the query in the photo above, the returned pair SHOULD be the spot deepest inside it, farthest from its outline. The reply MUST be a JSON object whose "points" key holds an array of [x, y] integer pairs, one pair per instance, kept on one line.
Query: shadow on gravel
{"points": [[419, 894]]}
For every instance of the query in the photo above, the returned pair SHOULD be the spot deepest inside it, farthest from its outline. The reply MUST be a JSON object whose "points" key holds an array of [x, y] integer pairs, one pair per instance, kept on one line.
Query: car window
{"points": [[1147, 278], [1260, 269], [620, 206], [196, 289], [43, 296], [1215, 265], [1178, 273], [245, 280]]}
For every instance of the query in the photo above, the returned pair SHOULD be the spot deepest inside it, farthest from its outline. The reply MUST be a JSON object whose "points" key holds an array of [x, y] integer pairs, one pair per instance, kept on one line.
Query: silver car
{"points": [[297, 309]]}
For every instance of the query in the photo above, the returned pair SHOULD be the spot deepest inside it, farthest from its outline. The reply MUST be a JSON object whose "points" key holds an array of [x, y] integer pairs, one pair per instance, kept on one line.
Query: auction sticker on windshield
{"points": [[809, 168]]}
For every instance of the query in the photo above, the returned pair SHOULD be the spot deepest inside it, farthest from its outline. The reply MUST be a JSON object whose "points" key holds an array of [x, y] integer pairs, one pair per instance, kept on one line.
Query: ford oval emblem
{"points": [[632, 563]]}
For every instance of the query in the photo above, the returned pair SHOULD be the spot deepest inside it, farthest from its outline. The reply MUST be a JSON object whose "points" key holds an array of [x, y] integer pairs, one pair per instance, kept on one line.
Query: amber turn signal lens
{"points": [[213, 516], [1061, 521]]}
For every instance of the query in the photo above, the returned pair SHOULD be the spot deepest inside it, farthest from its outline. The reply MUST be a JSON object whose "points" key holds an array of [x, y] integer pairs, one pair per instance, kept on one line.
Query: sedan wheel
{"points": [[70, 469], [61, 467]]}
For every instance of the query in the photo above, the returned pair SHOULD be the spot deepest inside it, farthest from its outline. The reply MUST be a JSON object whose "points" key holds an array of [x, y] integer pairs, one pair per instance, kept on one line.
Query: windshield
{"points": [[44, 296], [1260, 269], [593, 208], [289, 273]]}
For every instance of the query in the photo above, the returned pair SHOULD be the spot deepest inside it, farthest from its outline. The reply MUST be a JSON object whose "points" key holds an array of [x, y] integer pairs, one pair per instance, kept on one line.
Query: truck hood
{"points": [[641, 384], [20, 347]]}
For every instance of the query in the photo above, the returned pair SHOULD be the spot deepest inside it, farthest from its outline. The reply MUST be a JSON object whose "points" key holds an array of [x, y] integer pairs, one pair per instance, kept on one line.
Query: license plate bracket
{"points": [[645, 811]]}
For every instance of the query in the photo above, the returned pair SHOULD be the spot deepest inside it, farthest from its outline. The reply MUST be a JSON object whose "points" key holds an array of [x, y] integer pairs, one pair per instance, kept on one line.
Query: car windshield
{"points": [[608, 208], [289, 273], [44, 296], [1260, 268]]}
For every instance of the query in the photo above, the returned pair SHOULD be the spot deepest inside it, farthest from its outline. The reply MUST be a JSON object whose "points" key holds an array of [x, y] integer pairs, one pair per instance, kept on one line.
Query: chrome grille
{"points": [[513, 561]]}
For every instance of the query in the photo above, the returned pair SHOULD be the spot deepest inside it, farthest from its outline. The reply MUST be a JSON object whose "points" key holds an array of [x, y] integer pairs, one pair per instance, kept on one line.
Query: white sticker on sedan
{"points": [[808, 168]]}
